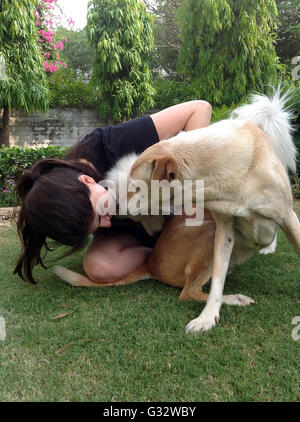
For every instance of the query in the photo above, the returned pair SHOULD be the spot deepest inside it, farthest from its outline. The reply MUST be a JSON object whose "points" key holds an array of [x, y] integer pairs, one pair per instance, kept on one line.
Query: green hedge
{"points": [[13, 162]]}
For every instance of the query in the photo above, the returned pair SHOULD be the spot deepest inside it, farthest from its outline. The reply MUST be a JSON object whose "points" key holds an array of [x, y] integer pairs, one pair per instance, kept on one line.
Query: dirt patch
{"points": [[7, 216]]}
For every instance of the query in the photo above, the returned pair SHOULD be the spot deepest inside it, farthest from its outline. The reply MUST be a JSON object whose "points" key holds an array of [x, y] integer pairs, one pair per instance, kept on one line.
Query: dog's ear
{"points": [[164, 167]]}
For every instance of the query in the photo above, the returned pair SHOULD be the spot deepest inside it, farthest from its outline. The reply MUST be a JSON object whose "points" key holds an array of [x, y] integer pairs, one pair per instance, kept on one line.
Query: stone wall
{"points": [[58, 126]]}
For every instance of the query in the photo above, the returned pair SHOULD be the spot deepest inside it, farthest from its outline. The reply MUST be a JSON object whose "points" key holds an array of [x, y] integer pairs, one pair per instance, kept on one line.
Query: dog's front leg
{"points": [[224, 241]]}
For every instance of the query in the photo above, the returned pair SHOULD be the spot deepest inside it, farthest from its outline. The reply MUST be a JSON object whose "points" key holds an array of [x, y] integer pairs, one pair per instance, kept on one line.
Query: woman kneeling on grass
{"points": [[58, 197]]}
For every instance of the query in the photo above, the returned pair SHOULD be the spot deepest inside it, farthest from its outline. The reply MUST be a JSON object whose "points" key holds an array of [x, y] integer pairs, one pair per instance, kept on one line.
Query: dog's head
{"points": [[158, 168], [150, 167]]}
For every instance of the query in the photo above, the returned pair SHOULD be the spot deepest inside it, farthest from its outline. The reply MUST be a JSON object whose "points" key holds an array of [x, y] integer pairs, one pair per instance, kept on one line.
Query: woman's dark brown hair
{"points": [[54, 204]]}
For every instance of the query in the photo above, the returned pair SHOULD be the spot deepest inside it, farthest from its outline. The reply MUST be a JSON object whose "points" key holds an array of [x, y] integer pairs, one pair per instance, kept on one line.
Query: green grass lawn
{"points": [[129, 343]]}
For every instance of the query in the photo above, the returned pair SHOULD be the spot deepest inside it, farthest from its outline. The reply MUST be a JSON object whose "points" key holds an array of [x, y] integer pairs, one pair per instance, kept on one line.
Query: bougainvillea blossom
{"points": [[45, 22]]}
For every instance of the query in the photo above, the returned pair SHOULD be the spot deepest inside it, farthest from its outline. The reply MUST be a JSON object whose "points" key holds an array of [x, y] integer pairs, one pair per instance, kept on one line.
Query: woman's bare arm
{"points": [[186, 116]]}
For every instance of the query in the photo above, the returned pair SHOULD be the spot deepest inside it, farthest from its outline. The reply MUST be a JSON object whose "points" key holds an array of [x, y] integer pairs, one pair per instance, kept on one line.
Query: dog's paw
{"points": [[204, 322], [268, 250], [239, 300]]}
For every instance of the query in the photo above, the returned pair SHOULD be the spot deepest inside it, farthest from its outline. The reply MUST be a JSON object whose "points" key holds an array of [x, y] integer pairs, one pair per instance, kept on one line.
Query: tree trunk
{"points": [[5, 132]]}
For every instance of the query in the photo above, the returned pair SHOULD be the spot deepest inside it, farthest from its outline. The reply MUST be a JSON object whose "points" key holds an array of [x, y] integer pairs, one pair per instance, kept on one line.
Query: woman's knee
{"points": [[98, 260], [104, 258], [98, 268]]}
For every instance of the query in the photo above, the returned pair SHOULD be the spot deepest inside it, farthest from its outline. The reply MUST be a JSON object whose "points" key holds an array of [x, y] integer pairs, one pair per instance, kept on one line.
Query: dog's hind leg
{"points": [[195, 292], [75, 279], [193, 289], [291, 228], [271, 248], [223, 245], [198, 271]]}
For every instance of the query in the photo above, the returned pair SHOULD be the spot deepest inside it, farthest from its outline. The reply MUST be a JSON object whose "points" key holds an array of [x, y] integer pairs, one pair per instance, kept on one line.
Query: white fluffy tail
{"points": [[272, 116]]}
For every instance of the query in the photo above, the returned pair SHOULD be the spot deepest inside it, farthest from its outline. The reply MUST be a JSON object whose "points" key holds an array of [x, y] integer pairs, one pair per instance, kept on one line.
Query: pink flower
{"points": [[44, 24], [60, 45], [49, 22], [71, 22]]}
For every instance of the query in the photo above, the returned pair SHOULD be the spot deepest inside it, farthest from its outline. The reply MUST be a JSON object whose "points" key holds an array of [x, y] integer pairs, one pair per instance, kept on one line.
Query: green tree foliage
{"points": [[25, 85], [77, 52], [70, 90], [120, 33], [227, 47], [71, 85], [166, 33], [288, 40]]}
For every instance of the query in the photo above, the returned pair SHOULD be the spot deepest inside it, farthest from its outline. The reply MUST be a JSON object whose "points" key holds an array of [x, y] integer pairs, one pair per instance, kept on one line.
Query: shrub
{"points": [[295, 106], [295, 183], [13, 162], [68, 91], [170, 92]]}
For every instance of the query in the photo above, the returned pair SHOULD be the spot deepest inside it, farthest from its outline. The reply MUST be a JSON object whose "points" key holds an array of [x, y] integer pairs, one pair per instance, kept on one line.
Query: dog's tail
{"points": [[270, 113], [75, 279]]}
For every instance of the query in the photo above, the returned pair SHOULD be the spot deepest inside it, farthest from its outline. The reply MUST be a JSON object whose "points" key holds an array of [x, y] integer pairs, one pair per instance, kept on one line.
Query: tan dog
{"points": [[171, 264], [247, 192]]}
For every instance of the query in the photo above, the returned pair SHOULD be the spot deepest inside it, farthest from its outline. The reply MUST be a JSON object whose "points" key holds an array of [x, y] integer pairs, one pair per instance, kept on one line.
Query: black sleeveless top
{"points": [[107, 145]]}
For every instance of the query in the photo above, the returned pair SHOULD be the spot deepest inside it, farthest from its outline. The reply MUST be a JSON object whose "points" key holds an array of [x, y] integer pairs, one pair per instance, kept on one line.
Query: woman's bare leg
{"points": [[113, 255]]}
